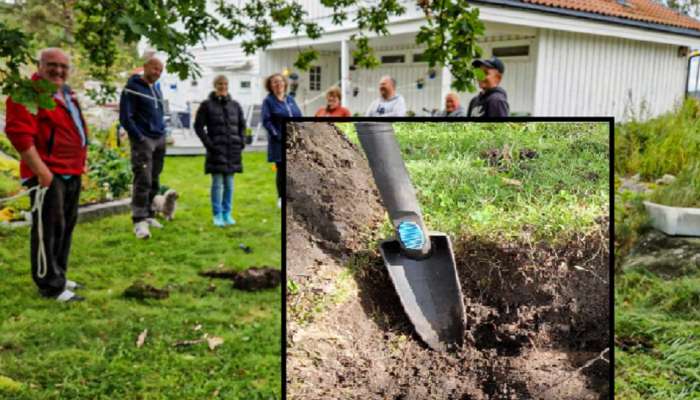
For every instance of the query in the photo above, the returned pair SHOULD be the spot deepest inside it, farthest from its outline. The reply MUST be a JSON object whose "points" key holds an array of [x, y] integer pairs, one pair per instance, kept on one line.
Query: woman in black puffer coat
{"points": [[220, 126]]}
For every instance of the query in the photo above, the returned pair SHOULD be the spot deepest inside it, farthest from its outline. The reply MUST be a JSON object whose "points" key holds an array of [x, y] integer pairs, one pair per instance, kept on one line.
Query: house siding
{"points": [[590, 75]]}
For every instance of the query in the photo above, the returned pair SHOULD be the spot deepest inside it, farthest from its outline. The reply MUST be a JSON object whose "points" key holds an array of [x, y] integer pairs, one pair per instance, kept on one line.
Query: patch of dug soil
{"points": [[537, 316], [329, 187]]}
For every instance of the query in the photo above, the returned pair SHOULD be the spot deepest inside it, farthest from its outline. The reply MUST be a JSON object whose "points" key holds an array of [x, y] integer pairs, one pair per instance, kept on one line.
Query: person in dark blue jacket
{"points": [[276, 105], [141, 114]]}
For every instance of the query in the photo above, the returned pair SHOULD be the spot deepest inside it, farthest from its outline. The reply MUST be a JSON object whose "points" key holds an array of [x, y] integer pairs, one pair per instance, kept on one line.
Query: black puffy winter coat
{"points": [[220, 126]]}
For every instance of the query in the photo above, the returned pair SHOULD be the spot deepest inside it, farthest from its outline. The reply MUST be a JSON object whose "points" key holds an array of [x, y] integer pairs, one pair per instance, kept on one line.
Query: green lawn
{"points": [[560, 191], [660, 322], [657, 319], [88, 350]]}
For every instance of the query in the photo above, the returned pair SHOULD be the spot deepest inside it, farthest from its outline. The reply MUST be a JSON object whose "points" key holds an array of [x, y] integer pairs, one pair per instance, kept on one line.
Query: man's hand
{"points": [[36, 164], [45, 179]]}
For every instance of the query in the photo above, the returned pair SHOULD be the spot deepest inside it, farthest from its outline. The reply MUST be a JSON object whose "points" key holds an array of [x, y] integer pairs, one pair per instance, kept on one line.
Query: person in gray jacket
{"points": [[452, 107], [389, 104]]}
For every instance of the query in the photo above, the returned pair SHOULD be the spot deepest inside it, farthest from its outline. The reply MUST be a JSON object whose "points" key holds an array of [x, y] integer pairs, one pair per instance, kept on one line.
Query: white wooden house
{"points": [[563, 58]]}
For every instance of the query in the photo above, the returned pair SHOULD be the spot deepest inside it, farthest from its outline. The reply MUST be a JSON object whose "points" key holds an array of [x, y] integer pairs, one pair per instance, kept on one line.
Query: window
{"points": [[245, 84], [394, 59], [315, 78], [420, 57], [512, 51]]}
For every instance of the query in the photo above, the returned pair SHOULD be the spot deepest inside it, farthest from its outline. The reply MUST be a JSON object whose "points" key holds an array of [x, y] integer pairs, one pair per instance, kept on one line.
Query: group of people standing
{"points": [[53, 148], [491, 102]]}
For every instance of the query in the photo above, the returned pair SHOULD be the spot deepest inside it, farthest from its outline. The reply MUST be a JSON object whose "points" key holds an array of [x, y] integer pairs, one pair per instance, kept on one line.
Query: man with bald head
{"points": [[142, 116], [389, 103], [53, 147]]}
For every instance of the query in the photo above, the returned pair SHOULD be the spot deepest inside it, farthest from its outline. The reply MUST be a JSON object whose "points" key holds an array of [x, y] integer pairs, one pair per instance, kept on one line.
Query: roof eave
{"points": [[592, 16]]}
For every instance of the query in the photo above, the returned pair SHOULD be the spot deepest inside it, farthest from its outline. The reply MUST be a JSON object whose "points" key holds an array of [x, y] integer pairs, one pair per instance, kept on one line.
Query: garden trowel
{"points": [[421, 264]]}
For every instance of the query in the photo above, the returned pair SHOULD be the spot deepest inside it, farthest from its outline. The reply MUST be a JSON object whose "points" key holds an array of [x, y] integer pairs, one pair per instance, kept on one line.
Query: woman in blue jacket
{"points": [[275, 106]]}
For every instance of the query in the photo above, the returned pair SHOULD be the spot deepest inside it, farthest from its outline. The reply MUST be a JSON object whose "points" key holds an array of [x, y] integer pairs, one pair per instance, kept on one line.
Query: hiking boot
{"points": [[153, 223], [228, 219], [219, 220], [141, 230]]}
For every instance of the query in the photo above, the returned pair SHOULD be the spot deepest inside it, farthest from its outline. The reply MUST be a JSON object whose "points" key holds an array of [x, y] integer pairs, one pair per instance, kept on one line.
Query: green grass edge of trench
{"points": [[88, 350]]}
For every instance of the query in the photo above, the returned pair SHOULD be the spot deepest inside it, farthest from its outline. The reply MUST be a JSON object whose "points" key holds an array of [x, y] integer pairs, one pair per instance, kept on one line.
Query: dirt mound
{"points": [[537, 315], [329, 188]]}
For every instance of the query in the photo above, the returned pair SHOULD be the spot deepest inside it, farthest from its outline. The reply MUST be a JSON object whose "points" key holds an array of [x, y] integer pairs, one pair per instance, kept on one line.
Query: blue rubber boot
{"points": [[219, 220], [228, 219]]}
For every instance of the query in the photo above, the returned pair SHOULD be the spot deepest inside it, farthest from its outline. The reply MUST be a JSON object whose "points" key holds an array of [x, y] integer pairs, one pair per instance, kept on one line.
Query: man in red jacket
{"points": [[53, 146]]}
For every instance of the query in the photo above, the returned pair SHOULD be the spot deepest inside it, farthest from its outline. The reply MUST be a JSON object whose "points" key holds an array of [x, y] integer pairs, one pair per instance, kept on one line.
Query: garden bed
{"points": [[537, 310], [105, 186]]}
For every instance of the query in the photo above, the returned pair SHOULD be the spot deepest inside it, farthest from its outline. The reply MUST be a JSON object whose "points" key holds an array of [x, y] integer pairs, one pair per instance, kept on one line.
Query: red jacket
{"points": [[52, 132], [339, 111]]}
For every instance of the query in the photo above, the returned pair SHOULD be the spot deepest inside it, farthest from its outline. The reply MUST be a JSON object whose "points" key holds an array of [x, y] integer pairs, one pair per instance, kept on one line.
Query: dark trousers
{"points": [[279, 178], [147, 164], [59, 216]]}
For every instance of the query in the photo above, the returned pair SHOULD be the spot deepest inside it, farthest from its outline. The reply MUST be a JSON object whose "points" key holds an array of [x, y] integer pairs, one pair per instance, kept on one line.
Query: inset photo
{"points": [[448, 260]]}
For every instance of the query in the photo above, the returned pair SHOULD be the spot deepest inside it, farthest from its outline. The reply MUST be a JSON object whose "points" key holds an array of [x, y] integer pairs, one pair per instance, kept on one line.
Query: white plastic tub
{"points": [[678, 221]]}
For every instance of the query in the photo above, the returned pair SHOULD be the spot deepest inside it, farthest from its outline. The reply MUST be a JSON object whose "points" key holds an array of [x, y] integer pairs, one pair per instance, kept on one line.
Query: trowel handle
{"points": [[395, 187]]}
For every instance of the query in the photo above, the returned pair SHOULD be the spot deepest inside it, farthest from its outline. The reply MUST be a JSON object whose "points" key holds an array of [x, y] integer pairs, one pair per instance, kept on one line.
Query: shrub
{"points": [[664, 145], [109, 170], [7, 148]]}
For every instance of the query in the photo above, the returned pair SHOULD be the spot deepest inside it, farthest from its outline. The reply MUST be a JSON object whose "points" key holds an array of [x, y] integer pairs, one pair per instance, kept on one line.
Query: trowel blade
{"points": [[429, 291]]}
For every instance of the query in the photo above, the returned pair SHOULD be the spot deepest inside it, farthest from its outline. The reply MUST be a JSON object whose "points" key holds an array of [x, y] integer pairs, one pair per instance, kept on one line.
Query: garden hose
{"points": [[38, 206]]}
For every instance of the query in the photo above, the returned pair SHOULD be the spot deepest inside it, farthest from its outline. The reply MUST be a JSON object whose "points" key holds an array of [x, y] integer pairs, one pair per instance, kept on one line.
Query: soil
{"points": [[140, 290], [537, 314], [251, 279]]}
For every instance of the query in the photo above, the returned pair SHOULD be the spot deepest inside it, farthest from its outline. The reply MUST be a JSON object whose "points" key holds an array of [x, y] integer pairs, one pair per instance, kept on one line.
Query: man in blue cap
{"points": [[492, 101]]}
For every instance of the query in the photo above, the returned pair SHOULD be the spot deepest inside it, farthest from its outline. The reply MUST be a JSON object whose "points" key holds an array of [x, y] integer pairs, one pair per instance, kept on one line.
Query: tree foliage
{"points": [[687, 7], [174, 26]]}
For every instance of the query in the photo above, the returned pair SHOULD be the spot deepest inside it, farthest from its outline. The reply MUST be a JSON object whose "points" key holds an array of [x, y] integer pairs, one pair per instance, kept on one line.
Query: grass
{"points": [[87, 350], [560, 191], [663, 145], [684, 191], [664, 316], [657, 321]]}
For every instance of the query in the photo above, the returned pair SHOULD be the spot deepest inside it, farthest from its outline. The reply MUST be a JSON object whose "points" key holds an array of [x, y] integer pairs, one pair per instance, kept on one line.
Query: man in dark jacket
{"points": [[53, 147], [141, 114], [493, 100]]}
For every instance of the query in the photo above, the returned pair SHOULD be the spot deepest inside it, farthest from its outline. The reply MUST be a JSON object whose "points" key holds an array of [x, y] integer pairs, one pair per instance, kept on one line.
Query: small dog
{"points": [[166, 203]]}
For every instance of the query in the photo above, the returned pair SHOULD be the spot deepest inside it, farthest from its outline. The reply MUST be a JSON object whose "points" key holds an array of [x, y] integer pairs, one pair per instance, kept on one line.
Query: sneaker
{"points": [[67, 296], [228, 219], [152, 222], [219, 220], [72, 285], [141, 230]]}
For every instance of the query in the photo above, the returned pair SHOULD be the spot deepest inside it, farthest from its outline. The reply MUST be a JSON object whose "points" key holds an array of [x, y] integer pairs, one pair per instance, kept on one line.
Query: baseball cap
{"points": [[492, 62]]}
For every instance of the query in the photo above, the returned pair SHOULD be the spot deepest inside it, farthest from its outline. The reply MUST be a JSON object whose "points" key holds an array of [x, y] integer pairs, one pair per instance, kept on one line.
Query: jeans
{"points": [[221, 193]]}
